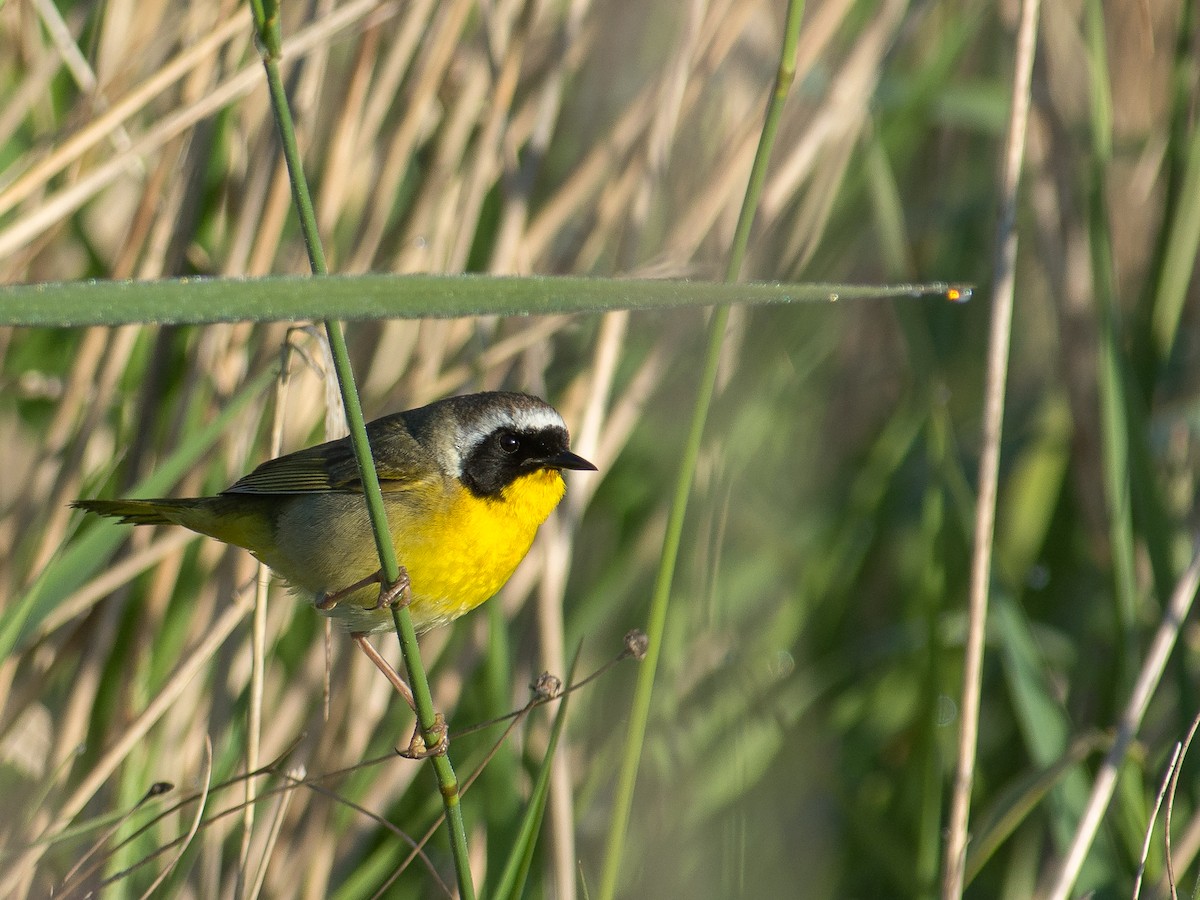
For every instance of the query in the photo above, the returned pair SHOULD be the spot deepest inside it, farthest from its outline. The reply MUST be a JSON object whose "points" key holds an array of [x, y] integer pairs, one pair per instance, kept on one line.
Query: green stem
{"points": [[660, 601], [266, 15]]}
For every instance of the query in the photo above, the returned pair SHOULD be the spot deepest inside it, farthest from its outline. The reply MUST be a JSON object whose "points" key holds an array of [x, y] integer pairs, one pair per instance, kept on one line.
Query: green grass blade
{"points": [[1182, 243], [660, 601], [512, 880], [193, 301], [266, 18], [1015, 805]]}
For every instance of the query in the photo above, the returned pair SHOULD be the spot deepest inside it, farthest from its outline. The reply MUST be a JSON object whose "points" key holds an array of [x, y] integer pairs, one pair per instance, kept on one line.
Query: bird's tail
{"points": [[236, 520], [138, 512]]}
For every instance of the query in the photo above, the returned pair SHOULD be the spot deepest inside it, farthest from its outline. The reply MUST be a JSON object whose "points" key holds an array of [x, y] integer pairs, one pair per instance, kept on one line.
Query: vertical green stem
{"points": [[660, 600], [266, 16]]}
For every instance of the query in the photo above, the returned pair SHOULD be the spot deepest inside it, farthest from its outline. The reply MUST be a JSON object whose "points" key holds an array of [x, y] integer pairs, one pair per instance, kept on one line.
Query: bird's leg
{"points": [[385, 667], [396, 594], [330, 599], [417, 748]]}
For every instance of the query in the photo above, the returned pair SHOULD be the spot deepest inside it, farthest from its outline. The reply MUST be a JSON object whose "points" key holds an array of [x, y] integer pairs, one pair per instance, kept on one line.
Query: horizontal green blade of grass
{"points": [[193, 301]]}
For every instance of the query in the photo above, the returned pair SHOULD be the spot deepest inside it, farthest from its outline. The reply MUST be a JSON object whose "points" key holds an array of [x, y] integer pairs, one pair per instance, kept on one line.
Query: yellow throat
{"points": [[476, 546]]}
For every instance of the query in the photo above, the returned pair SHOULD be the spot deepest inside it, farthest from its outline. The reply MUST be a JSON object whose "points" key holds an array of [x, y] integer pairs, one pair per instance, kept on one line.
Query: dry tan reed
{"points": [[822, 576]]}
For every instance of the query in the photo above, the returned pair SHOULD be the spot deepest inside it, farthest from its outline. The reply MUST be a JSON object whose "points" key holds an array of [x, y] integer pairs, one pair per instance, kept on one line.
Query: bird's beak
{"points": [[568, 460]]}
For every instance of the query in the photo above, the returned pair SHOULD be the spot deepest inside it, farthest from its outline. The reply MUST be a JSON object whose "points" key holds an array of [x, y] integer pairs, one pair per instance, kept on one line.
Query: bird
{"points": [[467, 481]]}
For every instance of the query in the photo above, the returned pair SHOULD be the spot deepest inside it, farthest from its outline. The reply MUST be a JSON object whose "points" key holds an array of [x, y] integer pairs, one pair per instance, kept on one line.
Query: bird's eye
{"points": [[509, 443]]}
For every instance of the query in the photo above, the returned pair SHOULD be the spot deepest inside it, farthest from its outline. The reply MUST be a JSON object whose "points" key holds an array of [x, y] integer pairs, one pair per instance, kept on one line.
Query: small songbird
{"points": [[466, 483]]}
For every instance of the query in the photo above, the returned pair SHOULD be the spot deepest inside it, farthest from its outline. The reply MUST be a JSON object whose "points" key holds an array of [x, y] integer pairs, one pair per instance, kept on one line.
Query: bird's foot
{"points": [[394, 594], [418, 748]]}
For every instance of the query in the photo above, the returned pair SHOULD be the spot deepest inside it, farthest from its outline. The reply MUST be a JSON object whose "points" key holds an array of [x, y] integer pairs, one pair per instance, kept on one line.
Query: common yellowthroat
{"points": [[466, 483]]}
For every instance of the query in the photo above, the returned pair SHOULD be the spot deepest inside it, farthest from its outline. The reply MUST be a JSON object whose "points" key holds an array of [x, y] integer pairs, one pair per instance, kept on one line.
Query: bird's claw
{"points": [[396, 595], [419, 749]]}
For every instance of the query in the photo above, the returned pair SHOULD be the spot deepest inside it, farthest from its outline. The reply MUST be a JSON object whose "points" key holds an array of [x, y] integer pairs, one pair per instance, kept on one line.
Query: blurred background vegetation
{"points": [[805, 712]]}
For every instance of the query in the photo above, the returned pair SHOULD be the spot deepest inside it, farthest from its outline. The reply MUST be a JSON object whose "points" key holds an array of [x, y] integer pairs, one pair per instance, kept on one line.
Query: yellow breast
{"points": [[458, 549], [465, 553]]}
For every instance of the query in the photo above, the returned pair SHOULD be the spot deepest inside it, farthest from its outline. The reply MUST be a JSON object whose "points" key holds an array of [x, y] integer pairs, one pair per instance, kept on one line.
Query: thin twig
{"points": [[954, 862], [206, 780], [281, 808], [1182, 753], [90, 860], [258, 634], [1106, 777], [1168, 777]]}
